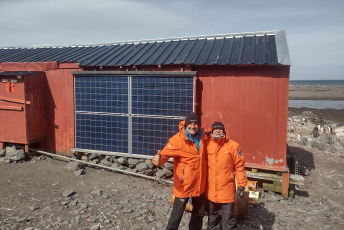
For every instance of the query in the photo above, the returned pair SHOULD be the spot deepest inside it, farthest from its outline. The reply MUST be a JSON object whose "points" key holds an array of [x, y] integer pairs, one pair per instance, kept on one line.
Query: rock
{"points": [[97, 192], [95, 227], [72, 166], [150, 172], [149, 164], [10, 149], [93, 156], [168, 165], [133, 161], [151, 218], [106, 163], [105, 196], [121, 161], [79, 172], [15, 155], [141, 167], [68, 193], [33, 207], [164, 173], [127, 210], [95, 161], [160, 173], [168, 173]]}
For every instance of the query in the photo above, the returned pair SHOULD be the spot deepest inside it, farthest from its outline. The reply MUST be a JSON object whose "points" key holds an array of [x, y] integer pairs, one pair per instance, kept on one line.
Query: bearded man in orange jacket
{"points": [[189, 179], [225, 165]]}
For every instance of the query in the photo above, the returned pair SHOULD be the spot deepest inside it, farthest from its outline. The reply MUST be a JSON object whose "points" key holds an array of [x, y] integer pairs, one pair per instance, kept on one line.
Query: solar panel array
{"points": [[130, 114]]}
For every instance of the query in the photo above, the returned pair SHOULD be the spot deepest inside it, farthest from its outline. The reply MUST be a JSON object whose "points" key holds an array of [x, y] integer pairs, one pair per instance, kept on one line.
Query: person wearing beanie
{"points": [[189, 179], [225, 165]]}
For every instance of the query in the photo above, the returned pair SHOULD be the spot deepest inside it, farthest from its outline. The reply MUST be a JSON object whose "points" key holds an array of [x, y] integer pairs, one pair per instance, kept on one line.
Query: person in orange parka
{"points": [[189, 179], [225, 165]]}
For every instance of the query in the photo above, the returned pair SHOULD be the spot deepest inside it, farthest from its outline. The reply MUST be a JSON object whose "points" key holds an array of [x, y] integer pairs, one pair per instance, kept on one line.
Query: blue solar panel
{"points": [[165, 96], [151, 134], [107, 94], [102, 111], [101, 132]]}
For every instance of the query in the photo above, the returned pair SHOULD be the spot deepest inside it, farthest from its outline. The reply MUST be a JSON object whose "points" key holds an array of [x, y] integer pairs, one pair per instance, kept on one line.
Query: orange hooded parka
{"points": [[225, 164], [189, 164]]}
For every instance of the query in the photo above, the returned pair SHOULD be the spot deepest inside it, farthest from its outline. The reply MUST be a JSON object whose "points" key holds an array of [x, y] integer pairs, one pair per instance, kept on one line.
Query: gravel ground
{"points": [[43, 194], [46, 193]]}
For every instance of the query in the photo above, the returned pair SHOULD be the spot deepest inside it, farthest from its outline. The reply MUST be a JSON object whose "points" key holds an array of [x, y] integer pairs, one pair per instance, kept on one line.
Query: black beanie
{"points": [[191, 117], [217, 125]]}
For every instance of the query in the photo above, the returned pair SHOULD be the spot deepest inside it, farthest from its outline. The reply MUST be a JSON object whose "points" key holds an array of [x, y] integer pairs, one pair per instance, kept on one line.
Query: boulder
{"points": [[149, 164], [122, 161], [141, 167], [15, 155], [106, 163], [133, 161]]}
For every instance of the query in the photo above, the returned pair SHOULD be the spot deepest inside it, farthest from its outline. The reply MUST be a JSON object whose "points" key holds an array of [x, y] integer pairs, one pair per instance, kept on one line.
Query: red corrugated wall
{"points": [[252, 102], [61, 111], [35, 91]]}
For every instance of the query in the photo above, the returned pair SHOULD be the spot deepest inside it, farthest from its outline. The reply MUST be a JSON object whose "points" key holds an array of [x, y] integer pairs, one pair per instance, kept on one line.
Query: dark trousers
{"points": [[221, 216], [198, 209]]}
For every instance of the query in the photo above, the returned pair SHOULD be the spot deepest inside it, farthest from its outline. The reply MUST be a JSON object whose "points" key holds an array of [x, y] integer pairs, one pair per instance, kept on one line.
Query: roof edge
{"points": [[282, 48], [274, 32]]}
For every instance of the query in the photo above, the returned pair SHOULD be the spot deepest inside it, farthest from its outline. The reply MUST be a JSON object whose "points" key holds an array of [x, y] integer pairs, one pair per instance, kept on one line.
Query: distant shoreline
{"points": [[316, 92]]}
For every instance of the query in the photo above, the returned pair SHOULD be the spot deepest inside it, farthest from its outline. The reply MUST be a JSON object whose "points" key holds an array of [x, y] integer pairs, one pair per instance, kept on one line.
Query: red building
{"points": [[115, 98]]}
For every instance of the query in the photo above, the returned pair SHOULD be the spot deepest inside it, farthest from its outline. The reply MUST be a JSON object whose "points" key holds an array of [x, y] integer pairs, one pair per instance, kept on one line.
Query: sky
{"points": [[314, 28]]}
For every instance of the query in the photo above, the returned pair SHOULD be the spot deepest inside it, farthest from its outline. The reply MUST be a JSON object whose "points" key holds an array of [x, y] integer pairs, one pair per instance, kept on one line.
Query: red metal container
{"points": [[22, 107]]}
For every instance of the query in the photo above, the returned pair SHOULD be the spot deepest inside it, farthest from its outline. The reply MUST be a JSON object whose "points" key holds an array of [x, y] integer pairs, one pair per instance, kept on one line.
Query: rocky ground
{"points": [[40, 192]]}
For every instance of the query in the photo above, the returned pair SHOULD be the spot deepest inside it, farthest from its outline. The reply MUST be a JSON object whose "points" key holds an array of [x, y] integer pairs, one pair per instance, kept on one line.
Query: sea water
{"points": [[316, 104], [315, 82]]}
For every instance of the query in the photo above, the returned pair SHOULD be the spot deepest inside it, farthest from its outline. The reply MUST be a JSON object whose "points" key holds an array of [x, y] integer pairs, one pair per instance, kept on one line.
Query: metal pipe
{"points": [[105, 167]]}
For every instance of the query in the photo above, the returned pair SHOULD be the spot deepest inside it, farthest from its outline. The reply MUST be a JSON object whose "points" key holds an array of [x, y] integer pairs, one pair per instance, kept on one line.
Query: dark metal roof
{"points": [[268, 47]]}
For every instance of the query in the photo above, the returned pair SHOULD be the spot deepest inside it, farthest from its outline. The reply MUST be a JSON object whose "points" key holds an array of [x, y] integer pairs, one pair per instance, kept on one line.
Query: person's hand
{"points": [[156, 159], [239, 193]]}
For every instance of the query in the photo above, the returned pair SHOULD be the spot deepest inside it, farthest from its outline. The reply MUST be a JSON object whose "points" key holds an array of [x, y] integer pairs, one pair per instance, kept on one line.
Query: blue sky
{"points": [[314, 28]]}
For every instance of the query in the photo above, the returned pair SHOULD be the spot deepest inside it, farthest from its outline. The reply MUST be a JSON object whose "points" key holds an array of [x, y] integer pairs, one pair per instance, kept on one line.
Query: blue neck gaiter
{"points": [[196, 139]]}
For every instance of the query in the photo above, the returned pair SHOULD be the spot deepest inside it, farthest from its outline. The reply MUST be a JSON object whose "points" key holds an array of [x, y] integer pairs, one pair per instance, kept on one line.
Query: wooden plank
{"points": [[17, 108], [14, 100]]}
